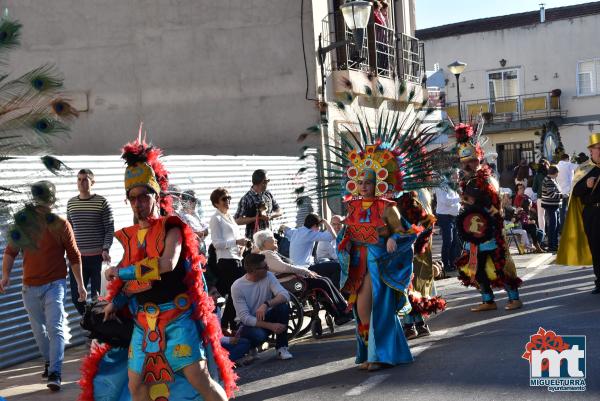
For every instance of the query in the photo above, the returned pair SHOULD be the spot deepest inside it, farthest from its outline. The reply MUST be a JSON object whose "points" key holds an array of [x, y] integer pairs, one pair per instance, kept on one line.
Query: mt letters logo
{"points": [[556, 362]]}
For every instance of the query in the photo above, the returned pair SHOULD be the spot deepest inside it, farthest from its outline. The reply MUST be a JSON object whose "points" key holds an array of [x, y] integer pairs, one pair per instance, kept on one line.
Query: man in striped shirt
{"points": [[551, 201], [92, 221]]}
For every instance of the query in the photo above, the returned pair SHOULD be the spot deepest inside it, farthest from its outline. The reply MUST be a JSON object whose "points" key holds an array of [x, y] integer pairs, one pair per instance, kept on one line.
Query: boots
{"points": [[423, 330], [514, 304], [410, 331], [485, 306]]}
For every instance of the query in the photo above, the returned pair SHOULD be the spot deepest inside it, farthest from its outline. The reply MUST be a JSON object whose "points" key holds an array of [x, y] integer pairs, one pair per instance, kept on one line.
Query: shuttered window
{"points": [[588, 77]]}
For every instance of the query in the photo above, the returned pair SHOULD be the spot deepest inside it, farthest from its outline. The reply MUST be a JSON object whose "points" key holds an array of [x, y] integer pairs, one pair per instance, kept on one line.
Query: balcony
{"points": [[383, 52], [510, 113], [412, 61]]}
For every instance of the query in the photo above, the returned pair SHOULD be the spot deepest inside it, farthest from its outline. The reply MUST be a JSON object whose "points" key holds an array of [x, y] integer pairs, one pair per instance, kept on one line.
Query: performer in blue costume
{"points": [[174, 352], [376, 247]]}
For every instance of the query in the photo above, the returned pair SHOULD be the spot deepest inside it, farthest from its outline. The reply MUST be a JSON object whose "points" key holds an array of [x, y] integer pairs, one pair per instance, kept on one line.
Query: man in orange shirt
{"points": [[44, 238]]}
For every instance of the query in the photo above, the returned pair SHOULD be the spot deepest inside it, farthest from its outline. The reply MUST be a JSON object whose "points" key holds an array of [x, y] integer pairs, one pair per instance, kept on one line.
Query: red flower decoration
{"points": [[544, 340]]}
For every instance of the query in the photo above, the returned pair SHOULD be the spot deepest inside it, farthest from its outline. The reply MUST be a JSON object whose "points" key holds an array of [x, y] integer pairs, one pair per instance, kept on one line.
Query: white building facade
{"points": [[534, 77], [206, 77]]}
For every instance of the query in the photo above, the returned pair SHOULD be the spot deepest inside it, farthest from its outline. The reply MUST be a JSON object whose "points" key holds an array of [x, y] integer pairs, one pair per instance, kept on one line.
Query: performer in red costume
{"points": [[485, 261], [175, 351]]}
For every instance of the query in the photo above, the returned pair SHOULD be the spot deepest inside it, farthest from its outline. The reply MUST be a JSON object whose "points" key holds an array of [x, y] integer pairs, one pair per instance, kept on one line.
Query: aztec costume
{"points": [[485, 261], [583, 217], [414, 206], [395, 160], [174, 324]]}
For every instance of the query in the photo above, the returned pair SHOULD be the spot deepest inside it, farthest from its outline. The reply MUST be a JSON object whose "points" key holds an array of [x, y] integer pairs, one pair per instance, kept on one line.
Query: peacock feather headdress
{"points": [[399, 148]]}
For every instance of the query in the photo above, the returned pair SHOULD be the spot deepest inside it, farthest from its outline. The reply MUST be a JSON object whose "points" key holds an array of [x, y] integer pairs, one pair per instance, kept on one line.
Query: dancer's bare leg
{"points": [[138, 390], [199, 377], [364, 300]]}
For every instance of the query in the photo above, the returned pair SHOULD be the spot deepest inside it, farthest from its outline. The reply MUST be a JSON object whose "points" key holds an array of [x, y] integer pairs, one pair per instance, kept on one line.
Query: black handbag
{"points": [[116, 332]]}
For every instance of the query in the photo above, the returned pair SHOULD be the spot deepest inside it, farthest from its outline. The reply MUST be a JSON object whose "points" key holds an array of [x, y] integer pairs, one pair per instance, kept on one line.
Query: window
{"points": [[503, 84], [588, 76]]}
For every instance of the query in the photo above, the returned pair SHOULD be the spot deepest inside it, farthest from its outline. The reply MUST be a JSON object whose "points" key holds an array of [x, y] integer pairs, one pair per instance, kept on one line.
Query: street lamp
{"points": [[356, 15], [457, 68]]}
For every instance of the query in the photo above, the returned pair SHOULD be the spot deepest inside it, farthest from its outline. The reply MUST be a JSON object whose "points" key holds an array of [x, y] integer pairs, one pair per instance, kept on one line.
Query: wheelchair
{"points": [[306, 303]]}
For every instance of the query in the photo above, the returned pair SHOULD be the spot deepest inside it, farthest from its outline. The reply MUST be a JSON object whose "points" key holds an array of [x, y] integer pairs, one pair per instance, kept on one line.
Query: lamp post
{"points": [[457, 68], [356, 15]]}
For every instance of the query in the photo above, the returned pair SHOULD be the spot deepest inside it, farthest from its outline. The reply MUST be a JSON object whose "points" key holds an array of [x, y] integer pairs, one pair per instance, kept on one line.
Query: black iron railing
{"points": [[412, 58], [382, 51]]}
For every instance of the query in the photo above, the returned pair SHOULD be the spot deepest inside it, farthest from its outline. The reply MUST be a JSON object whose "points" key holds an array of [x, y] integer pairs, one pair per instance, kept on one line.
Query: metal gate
{"points": [[510, 154], [200, 173]]}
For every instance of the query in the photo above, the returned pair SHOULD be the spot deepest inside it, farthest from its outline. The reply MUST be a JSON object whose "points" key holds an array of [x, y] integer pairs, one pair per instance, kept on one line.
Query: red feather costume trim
{"points": [[426, 306], [204, 311], [89, 368]]}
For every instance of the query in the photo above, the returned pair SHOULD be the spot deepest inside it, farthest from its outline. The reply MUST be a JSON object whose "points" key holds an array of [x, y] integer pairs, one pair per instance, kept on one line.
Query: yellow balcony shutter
{"points": [[474, 109], [452, 112], [506, 106], [534, 103]]}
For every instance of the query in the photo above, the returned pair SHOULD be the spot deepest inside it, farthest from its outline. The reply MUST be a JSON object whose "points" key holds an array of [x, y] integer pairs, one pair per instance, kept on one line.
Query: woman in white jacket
{"points": [[266, 244], [226, 239]]}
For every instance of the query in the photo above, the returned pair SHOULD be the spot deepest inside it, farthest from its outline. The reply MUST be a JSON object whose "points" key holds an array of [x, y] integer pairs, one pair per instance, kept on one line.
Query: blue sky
{"points": [[439, 12]]}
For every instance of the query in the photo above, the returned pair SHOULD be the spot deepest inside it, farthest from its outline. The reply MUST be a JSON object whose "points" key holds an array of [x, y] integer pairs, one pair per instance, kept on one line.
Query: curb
{"points": [[541, 259]]}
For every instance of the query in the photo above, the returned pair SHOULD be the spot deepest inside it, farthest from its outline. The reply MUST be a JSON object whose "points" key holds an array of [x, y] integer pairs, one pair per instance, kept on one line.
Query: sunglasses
{"points": [[140, 198], [226, 198]]}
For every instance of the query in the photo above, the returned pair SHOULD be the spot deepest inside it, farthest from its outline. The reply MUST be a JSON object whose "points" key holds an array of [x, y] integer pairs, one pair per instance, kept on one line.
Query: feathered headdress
{"points": [[467, 143], [398, 150], [145, 168]]}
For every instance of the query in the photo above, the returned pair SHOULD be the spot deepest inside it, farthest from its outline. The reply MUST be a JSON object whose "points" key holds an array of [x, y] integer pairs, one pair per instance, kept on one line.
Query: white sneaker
{"points": [[283, 353]]}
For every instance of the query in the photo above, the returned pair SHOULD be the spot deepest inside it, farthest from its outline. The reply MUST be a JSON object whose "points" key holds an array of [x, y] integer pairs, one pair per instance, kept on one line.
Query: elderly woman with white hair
{"points": [[266, 245]]}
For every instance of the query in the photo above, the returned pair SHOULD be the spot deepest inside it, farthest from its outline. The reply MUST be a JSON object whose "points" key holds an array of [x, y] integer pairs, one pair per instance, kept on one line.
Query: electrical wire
{"points": [[304, 49]]}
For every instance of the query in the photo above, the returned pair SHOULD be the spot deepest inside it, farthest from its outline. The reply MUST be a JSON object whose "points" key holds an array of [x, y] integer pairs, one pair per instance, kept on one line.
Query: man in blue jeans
{"points": [[43, 238], [261, 305]]}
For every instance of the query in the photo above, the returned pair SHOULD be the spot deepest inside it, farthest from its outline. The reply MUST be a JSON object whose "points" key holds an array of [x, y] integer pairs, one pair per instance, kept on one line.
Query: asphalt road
{"points": [[470, 356]]}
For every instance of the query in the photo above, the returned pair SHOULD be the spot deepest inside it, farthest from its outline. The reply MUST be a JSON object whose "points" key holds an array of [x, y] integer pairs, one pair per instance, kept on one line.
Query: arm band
{"points": [[144, 271]]}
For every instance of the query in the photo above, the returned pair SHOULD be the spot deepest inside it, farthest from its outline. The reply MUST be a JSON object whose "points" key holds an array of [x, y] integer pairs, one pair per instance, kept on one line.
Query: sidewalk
{"points": [[23, 382]]}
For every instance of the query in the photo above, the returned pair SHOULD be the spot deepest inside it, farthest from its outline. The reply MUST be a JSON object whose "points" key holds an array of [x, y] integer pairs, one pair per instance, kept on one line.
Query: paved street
{"points": [[469, 357]]}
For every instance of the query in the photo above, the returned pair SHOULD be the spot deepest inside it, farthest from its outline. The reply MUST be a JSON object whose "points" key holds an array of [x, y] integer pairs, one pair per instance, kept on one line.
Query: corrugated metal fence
{"points": [[200, 173]]}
